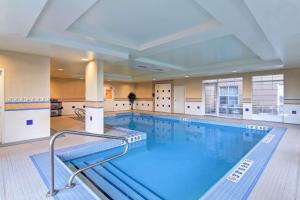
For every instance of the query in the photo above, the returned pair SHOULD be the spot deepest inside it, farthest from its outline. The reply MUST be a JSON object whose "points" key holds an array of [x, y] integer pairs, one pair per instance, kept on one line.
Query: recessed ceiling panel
{"points": [[135, 22], [224, 49], [18, 17]]}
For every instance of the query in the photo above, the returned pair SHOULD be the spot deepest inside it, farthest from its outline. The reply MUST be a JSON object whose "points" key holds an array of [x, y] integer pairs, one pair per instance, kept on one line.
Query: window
{"points": [[230, 93], [210, 92], [267, 94], [222, 97]]}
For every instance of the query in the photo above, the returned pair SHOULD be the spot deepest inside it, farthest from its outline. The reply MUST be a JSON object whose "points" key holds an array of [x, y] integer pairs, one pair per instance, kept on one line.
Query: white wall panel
{"points": [[193, 108], [267, 117], [26, 124], [94, 120], [69, 107], [292, 113], [144, 105], [247, 110], [122, 106], [109, 105]]}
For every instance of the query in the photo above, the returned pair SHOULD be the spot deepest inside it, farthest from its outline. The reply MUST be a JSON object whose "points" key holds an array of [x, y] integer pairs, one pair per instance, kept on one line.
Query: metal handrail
{"points": [[53, 191], [80, 113]]}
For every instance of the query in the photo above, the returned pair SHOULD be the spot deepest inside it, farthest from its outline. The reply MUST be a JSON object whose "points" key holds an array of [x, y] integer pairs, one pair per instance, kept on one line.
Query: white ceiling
{"points": [[157, 39]]}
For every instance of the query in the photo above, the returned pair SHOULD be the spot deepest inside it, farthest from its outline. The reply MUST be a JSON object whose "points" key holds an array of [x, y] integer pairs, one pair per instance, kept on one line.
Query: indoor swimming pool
{"points": [[181, 159]]}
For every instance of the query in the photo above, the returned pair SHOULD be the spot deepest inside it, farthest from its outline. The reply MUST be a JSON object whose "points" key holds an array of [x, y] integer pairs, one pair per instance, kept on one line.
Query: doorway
{"points": [[1, 104], [210, 98], [179, 99]]}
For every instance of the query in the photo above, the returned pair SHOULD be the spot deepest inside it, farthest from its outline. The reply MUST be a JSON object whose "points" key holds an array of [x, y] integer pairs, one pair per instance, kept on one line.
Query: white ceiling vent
{"points": [[150, 68]]}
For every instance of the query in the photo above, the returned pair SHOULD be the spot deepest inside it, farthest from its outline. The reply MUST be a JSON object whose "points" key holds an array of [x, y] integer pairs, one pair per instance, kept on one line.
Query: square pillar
{"points": [[247, 100], [94, 86]]}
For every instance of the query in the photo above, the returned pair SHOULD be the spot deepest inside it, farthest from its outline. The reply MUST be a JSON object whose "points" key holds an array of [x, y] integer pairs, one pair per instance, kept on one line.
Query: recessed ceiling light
{"points": [[153, 79], [234, 71], [81, 78], [84, 59], [60, 69], [186, 76], [108, 80]]}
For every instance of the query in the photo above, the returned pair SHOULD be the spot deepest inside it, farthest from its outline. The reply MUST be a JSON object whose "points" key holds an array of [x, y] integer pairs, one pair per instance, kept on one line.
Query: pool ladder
{"points": [[80, 113], [70, 184]]}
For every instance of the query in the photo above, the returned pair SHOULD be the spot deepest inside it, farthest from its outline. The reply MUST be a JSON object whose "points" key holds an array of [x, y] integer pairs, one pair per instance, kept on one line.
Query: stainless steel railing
{"points": [[53, 191], [80, 113]]}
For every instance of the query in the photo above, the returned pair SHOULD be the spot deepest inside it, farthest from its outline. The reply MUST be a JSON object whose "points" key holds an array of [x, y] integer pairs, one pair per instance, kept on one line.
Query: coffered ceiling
{"points": [[157, 39]]}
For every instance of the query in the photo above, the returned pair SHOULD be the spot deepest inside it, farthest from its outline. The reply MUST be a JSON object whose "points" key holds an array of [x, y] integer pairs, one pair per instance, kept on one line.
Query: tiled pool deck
{"points": [[281, 174]]}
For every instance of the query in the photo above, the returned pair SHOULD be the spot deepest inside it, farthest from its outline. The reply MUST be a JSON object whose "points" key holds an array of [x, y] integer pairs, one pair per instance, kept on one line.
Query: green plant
{"points": [[132, 98]]}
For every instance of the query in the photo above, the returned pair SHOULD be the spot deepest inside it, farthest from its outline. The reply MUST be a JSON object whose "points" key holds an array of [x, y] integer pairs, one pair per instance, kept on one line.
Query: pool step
{"points": [[117, 184], [143, 190], [105, 185]]}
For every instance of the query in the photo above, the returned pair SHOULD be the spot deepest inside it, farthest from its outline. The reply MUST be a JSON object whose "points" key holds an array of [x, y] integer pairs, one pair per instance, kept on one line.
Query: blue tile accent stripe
{"points": [[95, 101], [100, 107]]}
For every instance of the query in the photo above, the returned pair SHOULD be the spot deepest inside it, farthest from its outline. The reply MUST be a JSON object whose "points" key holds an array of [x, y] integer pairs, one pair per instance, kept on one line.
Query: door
{"points": [[210, 98], [179, 99], [1, 104]]}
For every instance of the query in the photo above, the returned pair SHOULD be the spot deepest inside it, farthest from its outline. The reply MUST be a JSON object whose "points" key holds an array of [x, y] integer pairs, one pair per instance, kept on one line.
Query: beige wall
{"points": [[67, 89], [26, 75], [144, 90], [292, 83], [121, 89], [26, 80], [64, 88], [193, 86]]}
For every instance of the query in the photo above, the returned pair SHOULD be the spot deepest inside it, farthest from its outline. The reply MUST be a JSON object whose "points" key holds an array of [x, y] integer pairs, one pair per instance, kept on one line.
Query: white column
{"points": [[94, 84]]}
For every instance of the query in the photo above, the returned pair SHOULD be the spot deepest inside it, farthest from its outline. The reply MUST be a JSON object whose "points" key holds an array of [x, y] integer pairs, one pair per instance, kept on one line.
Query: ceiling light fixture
{"points": [[60, 69], [84, 59], [153, 79], [186, 76], [108, 80], [234, 71]]}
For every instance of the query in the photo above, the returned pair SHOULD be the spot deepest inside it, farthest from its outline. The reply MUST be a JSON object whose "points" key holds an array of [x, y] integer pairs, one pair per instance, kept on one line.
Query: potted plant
{"points": [[132, 98]]}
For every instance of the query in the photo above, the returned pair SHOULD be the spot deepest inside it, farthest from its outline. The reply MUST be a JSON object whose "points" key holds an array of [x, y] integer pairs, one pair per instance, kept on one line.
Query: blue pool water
{"points": [[179, 160]]}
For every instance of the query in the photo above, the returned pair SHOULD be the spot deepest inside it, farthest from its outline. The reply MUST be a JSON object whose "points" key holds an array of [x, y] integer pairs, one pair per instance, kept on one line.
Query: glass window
{"points": [[223, 100], [222, 97], [267, 94], [233, 90]]}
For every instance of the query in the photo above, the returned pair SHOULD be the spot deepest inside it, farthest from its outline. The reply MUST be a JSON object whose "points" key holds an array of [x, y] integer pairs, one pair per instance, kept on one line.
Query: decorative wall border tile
{"points": [[26, 106]]}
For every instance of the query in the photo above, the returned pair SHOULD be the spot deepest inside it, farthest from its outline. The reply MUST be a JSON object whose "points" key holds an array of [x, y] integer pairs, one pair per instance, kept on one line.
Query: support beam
{"points": [[94, 120]]}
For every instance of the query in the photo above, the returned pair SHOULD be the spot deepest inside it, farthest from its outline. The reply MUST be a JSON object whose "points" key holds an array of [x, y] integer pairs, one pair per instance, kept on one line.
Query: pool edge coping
{"points": [[262, 167], [217, 187]]}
